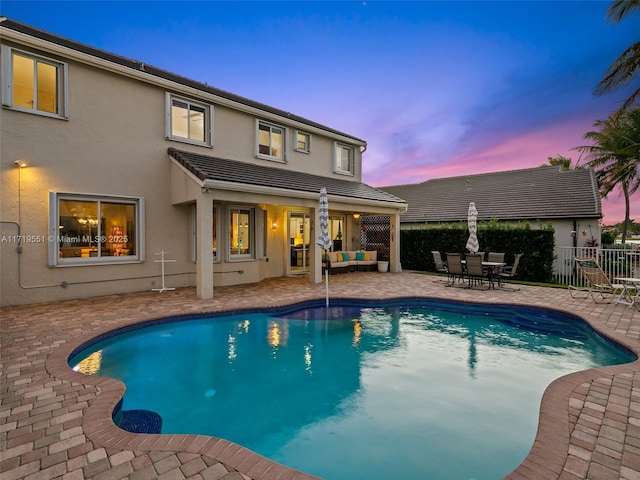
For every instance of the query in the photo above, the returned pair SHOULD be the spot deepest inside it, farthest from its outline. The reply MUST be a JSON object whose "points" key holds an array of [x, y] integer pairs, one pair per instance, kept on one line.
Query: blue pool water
{"points": [[414, 389]]}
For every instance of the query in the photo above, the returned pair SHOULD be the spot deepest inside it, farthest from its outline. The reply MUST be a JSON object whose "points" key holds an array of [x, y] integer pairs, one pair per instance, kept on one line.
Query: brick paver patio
{"points": [[56, 423]]}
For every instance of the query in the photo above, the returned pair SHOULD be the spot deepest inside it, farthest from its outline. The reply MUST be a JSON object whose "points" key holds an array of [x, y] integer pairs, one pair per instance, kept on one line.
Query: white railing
{"points": [[615, 262]]}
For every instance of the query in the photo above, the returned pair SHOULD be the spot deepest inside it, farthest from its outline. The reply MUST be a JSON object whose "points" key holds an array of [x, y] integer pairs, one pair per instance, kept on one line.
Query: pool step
{"points": [[137, 421]]}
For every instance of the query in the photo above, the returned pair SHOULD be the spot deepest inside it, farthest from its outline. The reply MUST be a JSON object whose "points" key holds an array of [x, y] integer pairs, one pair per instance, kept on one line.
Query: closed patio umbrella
{"points": [[324, 241], [472, 219]]}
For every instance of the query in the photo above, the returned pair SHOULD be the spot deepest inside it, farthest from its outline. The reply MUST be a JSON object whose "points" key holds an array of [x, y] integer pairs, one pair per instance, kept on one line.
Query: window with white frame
{"points": [[344, 158], [241, 225], [87, 229], [189, 121], [34, 84], [303, 142], [270, 141]]}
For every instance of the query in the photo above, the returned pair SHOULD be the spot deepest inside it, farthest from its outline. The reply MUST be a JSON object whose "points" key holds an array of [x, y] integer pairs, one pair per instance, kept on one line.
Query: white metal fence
{"points": [[615, 262]]}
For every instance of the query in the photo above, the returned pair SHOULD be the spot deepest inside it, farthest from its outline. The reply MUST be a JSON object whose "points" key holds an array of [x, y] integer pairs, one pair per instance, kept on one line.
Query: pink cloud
{"points": [[520, 151]]}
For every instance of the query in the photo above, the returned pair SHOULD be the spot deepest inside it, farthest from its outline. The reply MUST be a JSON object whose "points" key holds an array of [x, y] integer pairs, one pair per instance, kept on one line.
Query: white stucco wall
{"points": [[113, 143]]}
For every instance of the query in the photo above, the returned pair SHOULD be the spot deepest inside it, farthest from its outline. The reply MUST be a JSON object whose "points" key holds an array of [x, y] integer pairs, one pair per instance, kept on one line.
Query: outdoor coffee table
{"points": [[628, 284]]}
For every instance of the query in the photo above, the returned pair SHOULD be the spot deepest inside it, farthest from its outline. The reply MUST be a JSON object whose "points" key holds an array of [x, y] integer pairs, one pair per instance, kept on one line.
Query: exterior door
{"points": [[299, 242]]}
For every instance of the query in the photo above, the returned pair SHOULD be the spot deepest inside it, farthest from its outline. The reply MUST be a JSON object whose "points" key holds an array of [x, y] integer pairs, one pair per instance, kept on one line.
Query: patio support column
{"points": [[204, 249], [394, 244]]}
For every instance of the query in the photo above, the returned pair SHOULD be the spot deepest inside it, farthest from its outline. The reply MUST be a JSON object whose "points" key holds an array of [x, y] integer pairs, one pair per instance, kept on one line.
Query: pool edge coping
{"points": [[546, 458]]}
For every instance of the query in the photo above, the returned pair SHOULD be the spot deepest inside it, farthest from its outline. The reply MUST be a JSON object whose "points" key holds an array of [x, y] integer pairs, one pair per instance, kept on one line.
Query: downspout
{"points": [[574, 272]]}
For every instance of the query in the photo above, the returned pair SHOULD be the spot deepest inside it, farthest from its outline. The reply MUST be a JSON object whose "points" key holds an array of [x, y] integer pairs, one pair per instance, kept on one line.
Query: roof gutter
{"points": [[209, 184]]}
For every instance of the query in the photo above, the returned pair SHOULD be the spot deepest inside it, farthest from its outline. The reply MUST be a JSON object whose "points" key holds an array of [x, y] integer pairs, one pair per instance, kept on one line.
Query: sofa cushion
{"points": [[374, 255], [333, 257], [339, 264]]}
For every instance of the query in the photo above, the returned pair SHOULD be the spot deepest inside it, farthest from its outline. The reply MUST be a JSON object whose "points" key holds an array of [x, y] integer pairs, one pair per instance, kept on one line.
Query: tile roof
{"points": [[528, 194], [205, 167], [163, 74]]}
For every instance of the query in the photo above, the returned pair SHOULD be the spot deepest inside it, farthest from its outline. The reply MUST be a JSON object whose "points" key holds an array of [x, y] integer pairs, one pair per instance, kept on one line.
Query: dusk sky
{"points": [[436, 88]]}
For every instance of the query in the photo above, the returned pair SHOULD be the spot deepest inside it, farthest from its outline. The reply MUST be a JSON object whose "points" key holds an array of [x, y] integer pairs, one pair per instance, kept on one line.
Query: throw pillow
{"points": [[360, 256], [345, 256], [367, 256]]}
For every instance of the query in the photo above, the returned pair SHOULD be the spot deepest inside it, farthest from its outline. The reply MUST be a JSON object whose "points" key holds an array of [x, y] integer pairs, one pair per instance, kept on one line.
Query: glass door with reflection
{"points": [[299, 242]]}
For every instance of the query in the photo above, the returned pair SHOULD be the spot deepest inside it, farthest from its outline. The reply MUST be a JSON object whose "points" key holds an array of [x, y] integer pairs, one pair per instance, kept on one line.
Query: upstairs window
{"points": [[33, 83], [270, 141], [303, 142], [344, 158], [189, 121]]}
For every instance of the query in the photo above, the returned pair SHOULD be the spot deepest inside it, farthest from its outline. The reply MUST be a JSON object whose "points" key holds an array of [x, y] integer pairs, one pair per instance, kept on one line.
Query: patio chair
{"points": [[441, 266], [495, 257], [509, 272], [475, 271], [454, 267], [598, 284]]}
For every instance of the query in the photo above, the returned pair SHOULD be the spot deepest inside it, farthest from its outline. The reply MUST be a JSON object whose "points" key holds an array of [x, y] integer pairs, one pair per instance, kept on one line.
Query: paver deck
{"points": [[56, 423]]}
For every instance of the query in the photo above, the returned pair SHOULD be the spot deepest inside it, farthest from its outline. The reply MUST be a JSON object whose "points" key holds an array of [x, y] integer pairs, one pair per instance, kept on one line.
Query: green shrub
{"points": [[537, 245]]}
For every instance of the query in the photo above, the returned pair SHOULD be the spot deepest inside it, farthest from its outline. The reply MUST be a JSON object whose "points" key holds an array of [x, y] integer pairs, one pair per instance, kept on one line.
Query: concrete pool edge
{"points": [[550, 451], [546, 459], [99, 427]]}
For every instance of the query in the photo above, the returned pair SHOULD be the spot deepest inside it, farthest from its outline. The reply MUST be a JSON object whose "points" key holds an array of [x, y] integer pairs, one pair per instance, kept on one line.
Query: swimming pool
{"points": [[410, 388]]}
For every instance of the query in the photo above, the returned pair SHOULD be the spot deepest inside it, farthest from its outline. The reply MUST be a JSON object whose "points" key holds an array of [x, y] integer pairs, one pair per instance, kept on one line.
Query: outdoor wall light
{"points": [[356, 215], [20, 163]]}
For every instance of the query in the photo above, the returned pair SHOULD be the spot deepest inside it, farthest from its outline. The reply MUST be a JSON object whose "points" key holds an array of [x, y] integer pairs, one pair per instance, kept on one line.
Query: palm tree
{"points": [[627, 65], [560, 161], [615, 156]]}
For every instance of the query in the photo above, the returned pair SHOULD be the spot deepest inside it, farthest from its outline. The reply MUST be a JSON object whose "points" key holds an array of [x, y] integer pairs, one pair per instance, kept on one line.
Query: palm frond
{"points": [[621, 71], [621, 8], [614, 153]]}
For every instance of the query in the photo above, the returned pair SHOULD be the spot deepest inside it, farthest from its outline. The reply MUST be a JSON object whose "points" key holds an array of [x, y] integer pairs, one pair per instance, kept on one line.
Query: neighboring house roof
{"points": [[163, 74], [205, 168], [542, 193]]}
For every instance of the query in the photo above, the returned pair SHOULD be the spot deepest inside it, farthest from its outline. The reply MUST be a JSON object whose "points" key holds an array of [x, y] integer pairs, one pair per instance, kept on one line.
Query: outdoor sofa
{"points": [[352, 261]]}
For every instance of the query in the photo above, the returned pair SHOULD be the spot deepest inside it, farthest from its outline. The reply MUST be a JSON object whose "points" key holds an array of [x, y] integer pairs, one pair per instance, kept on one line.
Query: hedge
{"points": [[537, 245]]}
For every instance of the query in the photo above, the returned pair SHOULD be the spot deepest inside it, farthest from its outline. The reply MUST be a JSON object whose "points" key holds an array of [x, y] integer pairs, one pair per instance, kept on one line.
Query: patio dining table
{"points": [[492, 270]]}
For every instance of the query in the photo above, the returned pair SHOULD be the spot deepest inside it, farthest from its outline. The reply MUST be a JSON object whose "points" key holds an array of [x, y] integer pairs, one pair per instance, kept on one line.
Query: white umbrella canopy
{"points": [[472, 220], [324, 241]]}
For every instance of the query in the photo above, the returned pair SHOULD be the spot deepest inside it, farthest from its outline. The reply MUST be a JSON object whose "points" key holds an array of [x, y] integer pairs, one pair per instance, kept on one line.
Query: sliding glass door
{"points": [[299, 242]]}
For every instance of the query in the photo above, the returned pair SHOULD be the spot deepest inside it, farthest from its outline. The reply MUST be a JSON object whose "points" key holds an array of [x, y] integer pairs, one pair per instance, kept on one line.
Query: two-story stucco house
{"points": [[107, 162]]}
